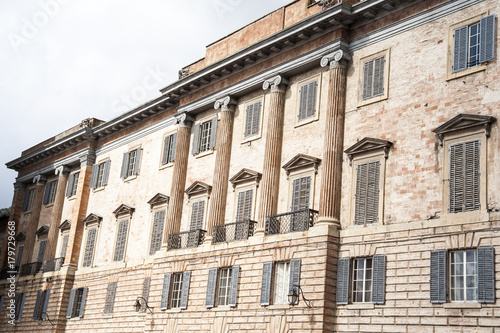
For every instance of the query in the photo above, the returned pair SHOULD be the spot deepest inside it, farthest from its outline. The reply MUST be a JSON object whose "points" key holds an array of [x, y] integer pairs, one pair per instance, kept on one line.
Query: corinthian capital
{"points": [[225, 103], [337, 58], [275, 82]]}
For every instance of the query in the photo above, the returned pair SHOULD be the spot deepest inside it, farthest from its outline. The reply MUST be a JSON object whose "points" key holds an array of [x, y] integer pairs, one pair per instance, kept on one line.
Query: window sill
{"points": [[306, 121], [49, 205], [107, 316], [360, 306], [176, 310], [129, 178], [166, 166], [465, 72], [71, 198], [371, 100], [222, 308], [205, 153], [279, 307], [251, 138], [99, 189], [75, 319], [462, 305]]}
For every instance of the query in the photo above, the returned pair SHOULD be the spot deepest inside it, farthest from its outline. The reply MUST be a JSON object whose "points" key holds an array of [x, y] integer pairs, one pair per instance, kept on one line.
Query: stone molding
{"points": [[43, 230], [366, 145], [92, 218], [198, 188], [66, 225], [301, 161], [185, 120], [244, 176], [159, 199], [463, 122], [124, 209]]}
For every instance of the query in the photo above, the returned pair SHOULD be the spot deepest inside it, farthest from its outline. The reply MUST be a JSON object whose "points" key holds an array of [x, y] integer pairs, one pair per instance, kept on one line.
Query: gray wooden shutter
{"points": [[378, 283], [244, 206], [211, 285], [64, 245], [157, 232], [21, 306], [41, 250], [186, 280], [93, 176], [265, 291], [137, 160], [123, 173], [197, 214], [69, 312], [69, 186], [485, 275], [311, 99], [174, 146], [294, 275], [37, 304], [460, 48], [256, 118], [438, 276], [145, 293], [89, 247], [166, 149], [367, 193], [378, 76], [233, 291], [487, 39], [343, 269], [304, 90], [105, 175], [213, 132], [121, 241], [368, 79], [45, 304], [110, 298], [46, 194], [249, 120], [465, 177], [196, 139], [82, 303], [165, 293]]}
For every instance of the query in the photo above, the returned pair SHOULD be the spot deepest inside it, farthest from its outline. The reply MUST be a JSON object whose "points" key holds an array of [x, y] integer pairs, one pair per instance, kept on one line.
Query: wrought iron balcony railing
{"points": [[233, 231], [30, 269], [186, 239], [299, 220], [53, 265]]}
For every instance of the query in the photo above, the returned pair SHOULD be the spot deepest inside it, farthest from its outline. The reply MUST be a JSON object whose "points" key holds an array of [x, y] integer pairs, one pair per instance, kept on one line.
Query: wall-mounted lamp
{"points": [[294, 294], [138, 304]]}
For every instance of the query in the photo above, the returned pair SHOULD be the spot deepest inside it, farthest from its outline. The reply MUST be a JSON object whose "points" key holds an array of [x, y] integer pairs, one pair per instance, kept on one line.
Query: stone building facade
{"points": [[331, 167]]}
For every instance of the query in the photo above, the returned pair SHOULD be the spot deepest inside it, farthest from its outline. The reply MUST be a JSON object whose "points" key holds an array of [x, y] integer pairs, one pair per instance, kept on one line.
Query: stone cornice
{"points": [[124, 209], [465, 121], [367, 145], [301, 161], [159, 199]]}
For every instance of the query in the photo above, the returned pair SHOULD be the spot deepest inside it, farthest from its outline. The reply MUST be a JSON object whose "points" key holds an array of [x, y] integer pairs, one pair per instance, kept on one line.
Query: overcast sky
{"points": [[62, 61]]}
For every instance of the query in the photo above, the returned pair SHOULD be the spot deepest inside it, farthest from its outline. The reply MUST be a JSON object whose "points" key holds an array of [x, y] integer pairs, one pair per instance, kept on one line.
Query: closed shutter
{"points": [[165, 293], [378, 283], [460, 48], [89, 247], [485, 275], [69, 186], [265, 291], [307, 105], [301, 193], [197, 212], [367, 79], [438, 276], [157, 233], [249, 120], [105, 175], [244, 206], [294, 275], [82, 304], [166, 150], [69, 312], [367, 193], [174, 147], [343, 269], [64, 245], [19, 255], [213, 132], [487, 39], [465, 177], [186, 280], [110, 298], [145, 293], [121, 240], [211, 285], [21, 306], [41, 250], [256, 118], [45, 304], [46, 194], [93, 176], [196, 139], [378, 76], [137, 161], [37, 304], [233, 291], [123, 172], [26, 200]]}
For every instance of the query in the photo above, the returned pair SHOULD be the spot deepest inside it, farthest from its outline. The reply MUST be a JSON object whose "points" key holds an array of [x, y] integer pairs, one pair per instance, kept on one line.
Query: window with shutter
{"points": [[89, 247], [29, 197], [343, 269], [367, 193], [373, 77], [486, 275], [211, 287], [362, 273], [41, 250], [175, 299], [72, 184], [165, 293], [244, 205], [378, 283], [19, 257], [197, 215], [121, 240], [205, 136], [438, 276], [110, 298], [186, 280], [99, 177], [308, 98], [64, 245], [76, 303], [157, 231], [463, 275], [224, 285], [265, 292], [169, 147], [281, 284], [252, 123], [465, 177], [19, 300], [294, 276], [301, 188], [51, 189]]}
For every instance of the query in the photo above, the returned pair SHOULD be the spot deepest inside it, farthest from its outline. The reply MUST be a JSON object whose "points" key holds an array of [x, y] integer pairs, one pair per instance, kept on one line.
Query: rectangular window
{"points": [[121, 241], [41, 250], [252, 124], [281, 285], [73, 184], [175, 300], [100, 174], [301, 189], [157, 231], [373, 77], [169, 147], [175, 291], [89, 247], [465, 177], [244, 205], [224, 286], [50, 192], [463, 275], [41, 305], [29, 197], [130, 163], [308, 96], [76, 303], [197, 214], [205, 134], [362, 280], [367, 193], [110, 298]]}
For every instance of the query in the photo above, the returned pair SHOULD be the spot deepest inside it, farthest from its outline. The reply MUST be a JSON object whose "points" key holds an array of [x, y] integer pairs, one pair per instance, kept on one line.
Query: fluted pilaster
{"points": [[272, 154], [331, 177], [218, 198]]}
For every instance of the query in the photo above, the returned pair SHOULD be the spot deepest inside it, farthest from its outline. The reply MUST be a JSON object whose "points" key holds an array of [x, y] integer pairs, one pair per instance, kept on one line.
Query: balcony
{"points": [[187, 239], [30, 269], [53, 265], [299, 220], [233, 231]]}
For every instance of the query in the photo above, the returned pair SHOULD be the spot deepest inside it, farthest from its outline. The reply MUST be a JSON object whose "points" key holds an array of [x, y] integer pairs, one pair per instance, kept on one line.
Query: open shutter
{"points": [[165, 291], [121, 241], [460, 41], [174, 147], [265, 291], [438, 276], [368, 79], [256, 118], [249, 120], [166, 149], [378, 284], [19, 255], [137, 161], [378, 76], [145, 293], [211, 285], [123, 173], [487, 39], [213, 133], [311, 99], [82, 303], [472, 176], [186, 279], [304, 91], [21, 306], [343, 268], [486, 275], [105, 175], [45, 304], [93, 176], [69, 312], [69, 185], [46, 194], [196, 139], [233, 292], [37, 304], [294, 275]]}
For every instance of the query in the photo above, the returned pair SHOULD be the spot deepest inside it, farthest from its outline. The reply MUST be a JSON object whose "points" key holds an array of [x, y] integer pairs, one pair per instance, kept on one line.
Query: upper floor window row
{"points": [[100, 174], [130, 163], [50, 192]]}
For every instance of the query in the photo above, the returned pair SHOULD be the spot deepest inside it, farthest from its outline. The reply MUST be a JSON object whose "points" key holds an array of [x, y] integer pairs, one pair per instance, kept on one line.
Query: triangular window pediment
{"points": [[43, 230], [21, 236], [124, 210], [244, 176], [92, 218], [198, 188], [159, 199], [368, 144], [465, 121], [302, 161], [66, 225]]}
